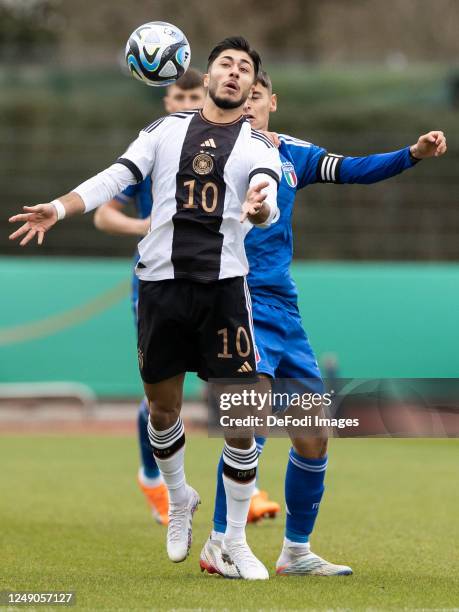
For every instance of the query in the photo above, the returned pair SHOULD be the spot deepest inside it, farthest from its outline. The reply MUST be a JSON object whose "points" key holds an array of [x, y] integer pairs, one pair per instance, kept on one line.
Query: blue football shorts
{"points": [[284, 350]]}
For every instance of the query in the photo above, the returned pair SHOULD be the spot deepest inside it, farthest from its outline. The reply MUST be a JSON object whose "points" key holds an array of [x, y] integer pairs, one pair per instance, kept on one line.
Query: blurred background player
{"points": [[284, 348], [187, 93]]}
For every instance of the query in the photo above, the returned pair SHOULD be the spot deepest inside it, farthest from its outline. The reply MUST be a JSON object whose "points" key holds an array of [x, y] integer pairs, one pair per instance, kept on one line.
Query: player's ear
{"points": [[205, 80], [273, 105], [167, 104]]}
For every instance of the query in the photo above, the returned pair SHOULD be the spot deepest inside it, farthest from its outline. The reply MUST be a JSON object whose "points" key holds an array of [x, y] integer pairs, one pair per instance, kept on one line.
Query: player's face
{"points": [[259, 105], [230, 78], [178, 99]]}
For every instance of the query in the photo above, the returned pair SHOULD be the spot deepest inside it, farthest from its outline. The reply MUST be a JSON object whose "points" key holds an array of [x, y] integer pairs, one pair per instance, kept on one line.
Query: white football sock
{"points": [[169, 450], [239, 466], [217, 535], [297, 547]]}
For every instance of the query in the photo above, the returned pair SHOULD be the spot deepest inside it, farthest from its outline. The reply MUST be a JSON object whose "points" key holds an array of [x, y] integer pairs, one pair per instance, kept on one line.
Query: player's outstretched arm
{"points": [[432, 144], [39, 219], [381, 166], [111, 219], [127, 170]]}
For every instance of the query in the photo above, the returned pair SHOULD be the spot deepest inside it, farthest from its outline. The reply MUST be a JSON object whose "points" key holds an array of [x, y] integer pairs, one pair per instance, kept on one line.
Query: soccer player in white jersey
{"points": [[193, 299], [187, 93]]}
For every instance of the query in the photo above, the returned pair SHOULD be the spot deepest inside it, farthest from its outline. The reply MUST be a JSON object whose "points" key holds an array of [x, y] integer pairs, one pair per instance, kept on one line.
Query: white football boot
{"points": [[213, 562], [179, 529], [300, 561], [238, 554]]}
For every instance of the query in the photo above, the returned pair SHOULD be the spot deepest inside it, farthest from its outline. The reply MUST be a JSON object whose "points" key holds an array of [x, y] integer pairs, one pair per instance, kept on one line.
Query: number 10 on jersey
{"points": [[208, 198]]}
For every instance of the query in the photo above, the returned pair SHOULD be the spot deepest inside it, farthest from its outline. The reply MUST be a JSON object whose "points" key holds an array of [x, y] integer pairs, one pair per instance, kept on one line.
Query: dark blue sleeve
{"points": [[372, 168], [314, 164], [309, 160], [128, 194], [305, 157]]}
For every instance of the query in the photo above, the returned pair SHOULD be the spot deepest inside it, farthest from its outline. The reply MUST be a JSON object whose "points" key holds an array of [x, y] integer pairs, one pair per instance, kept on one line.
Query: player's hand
{"points": [[253, 201], [273, 137], [432, 144], [38, 220]]}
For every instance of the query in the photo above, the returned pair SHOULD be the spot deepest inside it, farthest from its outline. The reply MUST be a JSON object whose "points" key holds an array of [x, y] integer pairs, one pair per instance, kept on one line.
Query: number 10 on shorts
{"points": [[241, 344]]}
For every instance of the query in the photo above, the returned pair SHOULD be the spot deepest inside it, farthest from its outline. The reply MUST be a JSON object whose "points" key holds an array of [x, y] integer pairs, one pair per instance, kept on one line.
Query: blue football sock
{"points": [[260, 442], [220, 495], [150, 469], [304, 487], [220, 501]]}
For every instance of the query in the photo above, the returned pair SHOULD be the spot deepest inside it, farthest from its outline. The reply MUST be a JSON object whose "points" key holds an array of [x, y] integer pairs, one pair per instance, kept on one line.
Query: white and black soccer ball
{"points": [[157, 53]]}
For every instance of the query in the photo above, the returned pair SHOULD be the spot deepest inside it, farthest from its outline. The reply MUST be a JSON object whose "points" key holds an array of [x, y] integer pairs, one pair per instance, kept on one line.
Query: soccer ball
{"points": [[157, 53]]}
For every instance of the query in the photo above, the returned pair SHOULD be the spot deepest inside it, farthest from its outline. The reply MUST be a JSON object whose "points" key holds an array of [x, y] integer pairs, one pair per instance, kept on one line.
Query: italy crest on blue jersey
{"points": [[288, 170]]}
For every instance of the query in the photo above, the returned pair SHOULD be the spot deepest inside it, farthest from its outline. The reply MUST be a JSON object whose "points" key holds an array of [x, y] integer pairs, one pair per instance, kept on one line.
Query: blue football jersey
{"points": [[270, 250]]}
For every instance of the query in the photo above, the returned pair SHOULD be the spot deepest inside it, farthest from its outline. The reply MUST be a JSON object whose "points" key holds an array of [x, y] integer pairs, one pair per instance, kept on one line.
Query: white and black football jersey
{"points": [[200, 174]]}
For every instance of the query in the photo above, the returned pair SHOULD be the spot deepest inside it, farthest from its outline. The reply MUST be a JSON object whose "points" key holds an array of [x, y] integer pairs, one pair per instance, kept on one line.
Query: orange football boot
{"points": [[158, 500], [262, 507]]}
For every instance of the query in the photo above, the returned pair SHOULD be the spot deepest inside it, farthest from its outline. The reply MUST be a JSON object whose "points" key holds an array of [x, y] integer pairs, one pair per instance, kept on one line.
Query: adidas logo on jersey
{"points": [[209, 143], [245, 367]]}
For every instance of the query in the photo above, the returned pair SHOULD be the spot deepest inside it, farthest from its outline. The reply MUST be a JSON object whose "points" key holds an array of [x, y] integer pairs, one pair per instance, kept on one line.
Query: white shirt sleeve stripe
{"points": [[333, 169], [328, 167]]}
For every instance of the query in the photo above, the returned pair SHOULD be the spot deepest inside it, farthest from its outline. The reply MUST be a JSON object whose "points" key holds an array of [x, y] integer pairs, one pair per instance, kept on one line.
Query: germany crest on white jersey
{"points": [[200, 175]]}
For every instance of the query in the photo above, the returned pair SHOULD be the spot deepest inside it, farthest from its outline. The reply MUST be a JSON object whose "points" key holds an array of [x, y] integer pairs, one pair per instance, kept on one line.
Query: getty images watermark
{"points": [[338, 407], [271, 405]]}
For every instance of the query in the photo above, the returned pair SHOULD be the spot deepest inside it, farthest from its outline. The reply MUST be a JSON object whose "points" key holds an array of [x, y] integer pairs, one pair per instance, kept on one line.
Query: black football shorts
{"points": [[185, 325]]}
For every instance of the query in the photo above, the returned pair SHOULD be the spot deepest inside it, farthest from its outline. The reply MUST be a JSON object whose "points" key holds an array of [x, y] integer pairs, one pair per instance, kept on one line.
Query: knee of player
{"points": [[242, 443], [163, 411], [311, 448]]}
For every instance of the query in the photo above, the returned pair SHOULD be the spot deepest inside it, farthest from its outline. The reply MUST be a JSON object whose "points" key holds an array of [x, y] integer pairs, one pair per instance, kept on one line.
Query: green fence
{"points": [[70, 320], [59, 126]]}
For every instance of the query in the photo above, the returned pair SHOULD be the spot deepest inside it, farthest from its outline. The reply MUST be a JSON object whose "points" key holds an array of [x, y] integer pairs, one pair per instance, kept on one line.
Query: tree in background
{"points": [[330, 31], [29, 29]]}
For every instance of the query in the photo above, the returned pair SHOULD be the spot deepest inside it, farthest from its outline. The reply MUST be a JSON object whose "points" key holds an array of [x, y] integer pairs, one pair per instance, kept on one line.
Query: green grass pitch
{"points": [[72, 518]]}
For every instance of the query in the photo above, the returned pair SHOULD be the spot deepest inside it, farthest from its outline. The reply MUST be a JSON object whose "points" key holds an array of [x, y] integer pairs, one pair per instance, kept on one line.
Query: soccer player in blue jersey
{"points": [[186, 93], [284, 348]]}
